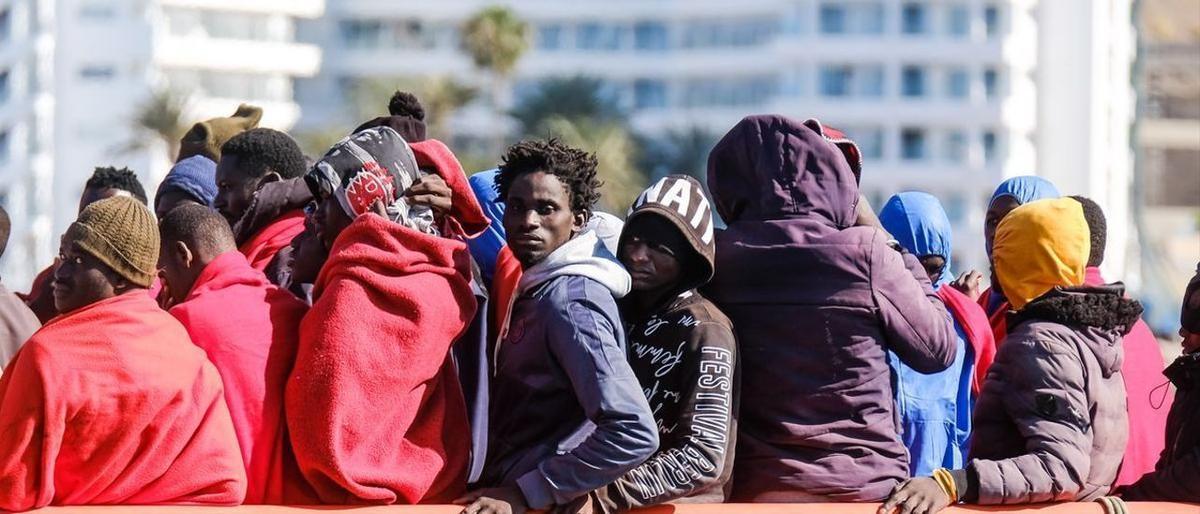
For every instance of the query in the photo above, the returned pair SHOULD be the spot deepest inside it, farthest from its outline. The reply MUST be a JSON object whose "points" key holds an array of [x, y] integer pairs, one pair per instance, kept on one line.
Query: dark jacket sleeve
{"points": [[1047, 403], [696, 458], [584, 341], [1175, 482], [917, 324]]}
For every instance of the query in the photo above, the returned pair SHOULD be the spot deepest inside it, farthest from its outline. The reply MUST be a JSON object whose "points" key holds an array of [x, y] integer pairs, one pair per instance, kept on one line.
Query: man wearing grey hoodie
{"points": [[567, 412]]}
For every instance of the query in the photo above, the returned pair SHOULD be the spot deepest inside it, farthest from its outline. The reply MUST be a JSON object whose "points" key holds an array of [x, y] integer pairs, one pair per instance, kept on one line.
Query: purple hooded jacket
{"points": [[814, 318]]}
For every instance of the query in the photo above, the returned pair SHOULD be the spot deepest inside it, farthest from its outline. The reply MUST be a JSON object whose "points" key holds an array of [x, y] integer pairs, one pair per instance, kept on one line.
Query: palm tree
{"points": [[679, 151], [616, 153], [160, 117], [495, 39], [442, 96], [574, 98]]}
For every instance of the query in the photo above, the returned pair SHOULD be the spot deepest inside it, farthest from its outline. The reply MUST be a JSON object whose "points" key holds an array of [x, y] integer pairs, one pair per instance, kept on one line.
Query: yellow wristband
{"points": [[946, 481]]}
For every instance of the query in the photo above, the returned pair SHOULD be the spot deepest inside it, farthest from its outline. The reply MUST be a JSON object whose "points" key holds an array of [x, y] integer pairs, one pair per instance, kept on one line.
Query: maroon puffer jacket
{"points": [[816, 303]]}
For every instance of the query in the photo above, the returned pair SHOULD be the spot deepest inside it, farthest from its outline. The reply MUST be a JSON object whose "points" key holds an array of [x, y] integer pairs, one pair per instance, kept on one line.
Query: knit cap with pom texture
{"points": [[121, 232]]}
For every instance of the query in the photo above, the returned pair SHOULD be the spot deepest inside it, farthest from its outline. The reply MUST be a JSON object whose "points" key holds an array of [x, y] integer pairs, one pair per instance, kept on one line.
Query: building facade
{"points": [[946, 96], [78, 71]]}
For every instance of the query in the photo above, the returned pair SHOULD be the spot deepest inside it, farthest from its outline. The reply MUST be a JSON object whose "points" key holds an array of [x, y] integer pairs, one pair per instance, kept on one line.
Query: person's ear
{"points": [[182, 253], [579, 220], [268, 178]]}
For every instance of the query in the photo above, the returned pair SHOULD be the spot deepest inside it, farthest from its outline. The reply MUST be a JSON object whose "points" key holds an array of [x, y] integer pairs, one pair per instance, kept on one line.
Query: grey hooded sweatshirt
{"points": [[567, 413]]}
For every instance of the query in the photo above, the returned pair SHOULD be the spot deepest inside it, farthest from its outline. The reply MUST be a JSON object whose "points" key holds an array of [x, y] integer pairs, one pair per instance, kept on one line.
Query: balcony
{"points": [[300, 60], [297, 8]]}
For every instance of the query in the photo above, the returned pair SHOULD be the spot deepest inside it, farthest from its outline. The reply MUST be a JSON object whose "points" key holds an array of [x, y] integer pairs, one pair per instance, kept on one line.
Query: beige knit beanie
{"points": [[121, 232]]}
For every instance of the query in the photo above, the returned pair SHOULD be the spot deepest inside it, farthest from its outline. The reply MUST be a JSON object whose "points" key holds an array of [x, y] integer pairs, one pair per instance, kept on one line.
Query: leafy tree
{"points": [[573, 98]]}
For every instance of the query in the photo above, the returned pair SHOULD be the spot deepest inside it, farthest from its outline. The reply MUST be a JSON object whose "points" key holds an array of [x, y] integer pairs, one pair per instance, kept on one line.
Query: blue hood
{"points": [[487, 245], [919, 223], [1025, 189]]}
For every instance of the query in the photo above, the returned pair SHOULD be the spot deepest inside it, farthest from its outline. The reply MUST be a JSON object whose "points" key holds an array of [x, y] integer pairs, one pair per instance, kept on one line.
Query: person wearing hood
{"points": [[1141, 367], [406, 116], [17, 322], [935, 409], [110, 402], [682, 350], [1050, 424], [567, 413], [374, 405], [206, 137], [816, 303], [1009, 195], [1174, 477], [249, 329]]}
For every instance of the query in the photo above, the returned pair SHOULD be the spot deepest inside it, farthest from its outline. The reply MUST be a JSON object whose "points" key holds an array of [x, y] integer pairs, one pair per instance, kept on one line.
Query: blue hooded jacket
{"points": [[1023, 189], [486, 247], [934, 409]]}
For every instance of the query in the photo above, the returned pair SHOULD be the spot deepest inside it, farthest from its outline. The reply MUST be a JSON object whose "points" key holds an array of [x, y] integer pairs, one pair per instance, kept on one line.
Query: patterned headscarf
{"points": [[375, 164]]}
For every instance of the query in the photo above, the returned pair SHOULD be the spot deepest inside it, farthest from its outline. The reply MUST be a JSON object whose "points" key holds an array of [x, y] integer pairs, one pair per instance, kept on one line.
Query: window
{"points": [[97, 73], [361, 33], [955, 148], [596, 36], [912, 144], [958, 21], [991, 20], [989, 146], [649, 94], [650, 36], [958, 83], [97, 11], [956, 207], [549, 37], [869, 141], [912, 81], [4, 137], [835, 80], [4, 86], [832, 19], [869, 81], [991, 79], [912, 19], [5, 24]]}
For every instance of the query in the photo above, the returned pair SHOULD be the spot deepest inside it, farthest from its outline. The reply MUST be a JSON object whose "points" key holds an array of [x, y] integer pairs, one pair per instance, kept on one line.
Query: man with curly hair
{"points": [[261, 195], [568, 415]]}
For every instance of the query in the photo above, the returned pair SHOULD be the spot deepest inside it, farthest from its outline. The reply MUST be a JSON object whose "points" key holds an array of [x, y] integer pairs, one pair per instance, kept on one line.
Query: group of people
{"points": [[374, 327]]}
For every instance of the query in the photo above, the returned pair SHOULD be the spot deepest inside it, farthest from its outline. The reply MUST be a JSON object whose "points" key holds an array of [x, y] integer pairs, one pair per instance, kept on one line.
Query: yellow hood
{"points": [[1039, 246]]}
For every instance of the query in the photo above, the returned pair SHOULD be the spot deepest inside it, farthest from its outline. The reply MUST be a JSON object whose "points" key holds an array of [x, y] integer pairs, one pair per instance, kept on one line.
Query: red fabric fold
{"points": [[112, 404], [260, 250], [249, 329], [1141, 370], [998, 319], [374, 406], [977, 328], [465, 209]]}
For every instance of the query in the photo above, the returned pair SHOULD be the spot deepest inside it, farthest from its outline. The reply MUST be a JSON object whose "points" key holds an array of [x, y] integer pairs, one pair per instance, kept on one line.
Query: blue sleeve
{"points": [[585, 342]]}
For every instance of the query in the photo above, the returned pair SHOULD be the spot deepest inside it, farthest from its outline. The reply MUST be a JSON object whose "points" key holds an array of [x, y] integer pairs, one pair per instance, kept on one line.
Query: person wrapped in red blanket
{"points": [[110, 402], [249, 329], [374, 406]]}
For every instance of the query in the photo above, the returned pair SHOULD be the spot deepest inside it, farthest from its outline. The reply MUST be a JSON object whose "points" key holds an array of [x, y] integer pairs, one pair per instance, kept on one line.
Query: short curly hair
{"points": [[260, 150], [575, 168], [1097, 227], [124, 179], [404, 103]]}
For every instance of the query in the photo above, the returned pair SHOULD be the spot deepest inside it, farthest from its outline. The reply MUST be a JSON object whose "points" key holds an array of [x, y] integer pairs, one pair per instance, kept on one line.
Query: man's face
{"points": [[652, 266], [174, 261], [934, 265], [329, 221], [996, 213], [538, 217], [91, 196], [169, 200], [235, 189], [81, 280]]}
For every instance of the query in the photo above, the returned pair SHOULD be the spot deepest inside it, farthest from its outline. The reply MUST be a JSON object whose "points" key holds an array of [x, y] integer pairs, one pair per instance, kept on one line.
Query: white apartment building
{"points": [[98, 62], [947, 96]]}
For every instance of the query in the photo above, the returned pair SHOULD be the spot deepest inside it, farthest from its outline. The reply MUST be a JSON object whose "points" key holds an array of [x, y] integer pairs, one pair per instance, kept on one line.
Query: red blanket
{"points": [[434, 156], [249, 329], [1141, 370], [112, 404], [260, 250], [374, 406], [975, 325]]}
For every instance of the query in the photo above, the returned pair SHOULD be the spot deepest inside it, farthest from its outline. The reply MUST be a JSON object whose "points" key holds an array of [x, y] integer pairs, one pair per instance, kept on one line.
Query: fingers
{"points": [[435, 202], [892, 500]]}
